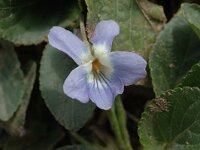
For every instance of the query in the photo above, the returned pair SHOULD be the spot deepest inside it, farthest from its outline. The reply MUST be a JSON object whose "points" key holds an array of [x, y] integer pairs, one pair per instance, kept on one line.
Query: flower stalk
{"points": [[83, 33], [117, 118]]}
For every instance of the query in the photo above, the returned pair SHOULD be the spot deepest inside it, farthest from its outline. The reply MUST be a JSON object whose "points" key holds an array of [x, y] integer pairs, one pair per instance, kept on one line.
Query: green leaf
{"points": [[136, 33], [11, 81], [55, 68], [176, 50], [15, 125], [192, 14], [76, 147], [28, 22], [40, 136], [172, 121], [154, 13], [192, 77]]}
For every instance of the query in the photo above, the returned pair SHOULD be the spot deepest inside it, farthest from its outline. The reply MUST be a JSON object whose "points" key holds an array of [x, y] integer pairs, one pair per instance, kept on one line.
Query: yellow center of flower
{"points": [[96, 65]]}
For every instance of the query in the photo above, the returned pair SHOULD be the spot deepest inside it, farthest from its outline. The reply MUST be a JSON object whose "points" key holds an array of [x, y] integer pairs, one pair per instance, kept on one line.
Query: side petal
{"points": [[128, 66], [68, 43], [116, 85], [103, 90], [76, 85], [103, 35]]}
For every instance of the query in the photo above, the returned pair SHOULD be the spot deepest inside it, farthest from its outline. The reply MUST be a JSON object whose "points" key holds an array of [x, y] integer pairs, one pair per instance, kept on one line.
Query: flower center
{"points": [[96, 65]]}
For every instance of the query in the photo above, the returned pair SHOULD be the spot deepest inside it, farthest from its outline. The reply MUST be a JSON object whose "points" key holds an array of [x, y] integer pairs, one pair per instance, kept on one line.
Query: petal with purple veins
{"points": [[103, 90], [103, 35], [76, 84], [68, 43], [101, 94], [128, 66]]}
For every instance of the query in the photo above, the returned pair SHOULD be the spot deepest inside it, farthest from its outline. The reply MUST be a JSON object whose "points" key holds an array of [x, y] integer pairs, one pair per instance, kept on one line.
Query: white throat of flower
{"points": [[98, 65]]}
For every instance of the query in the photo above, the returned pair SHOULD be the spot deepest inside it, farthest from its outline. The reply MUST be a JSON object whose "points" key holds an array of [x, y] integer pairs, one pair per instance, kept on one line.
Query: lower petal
{"points": [[76, 85], [101, 95], [128, 66], [103, 90]]}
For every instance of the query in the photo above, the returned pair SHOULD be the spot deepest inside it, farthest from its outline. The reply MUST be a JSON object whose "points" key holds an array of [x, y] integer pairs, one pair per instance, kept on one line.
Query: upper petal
{"points": [[104, 33], [68, 43], [128, 66], [76, 85]]}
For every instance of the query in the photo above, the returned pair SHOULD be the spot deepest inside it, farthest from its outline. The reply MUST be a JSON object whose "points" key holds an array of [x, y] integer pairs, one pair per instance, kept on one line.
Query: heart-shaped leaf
{"points": [[192, 14], [176, 50], [192, 77], [55, 68], [172, 121], [28, 22], [15, 125], [11, 81]]}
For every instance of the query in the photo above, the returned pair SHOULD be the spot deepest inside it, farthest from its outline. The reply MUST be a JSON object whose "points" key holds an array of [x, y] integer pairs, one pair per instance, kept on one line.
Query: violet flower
{"points": [[101, 75]]}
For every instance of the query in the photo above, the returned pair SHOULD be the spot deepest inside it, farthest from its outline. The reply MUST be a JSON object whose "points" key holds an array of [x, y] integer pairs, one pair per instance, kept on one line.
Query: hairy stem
{"points": [[83, 32], [117, 118]]}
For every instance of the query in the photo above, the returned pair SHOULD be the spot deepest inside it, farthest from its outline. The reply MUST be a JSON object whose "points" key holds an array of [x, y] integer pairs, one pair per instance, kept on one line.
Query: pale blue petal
{"points": [[104, 90], [76, 85], [116, 84], [101, 95], [104, 33], [128, 66], [67, 42]]}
